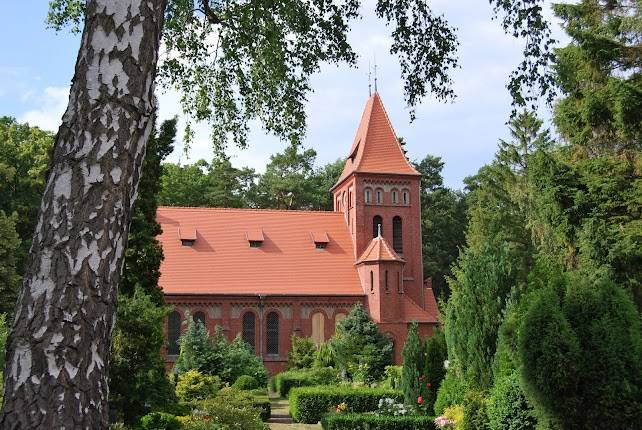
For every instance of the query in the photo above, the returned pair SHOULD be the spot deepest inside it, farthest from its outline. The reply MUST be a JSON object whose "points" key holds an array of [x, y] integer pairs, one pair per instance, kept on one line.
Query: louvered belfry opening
{"points": [[397, 235]]}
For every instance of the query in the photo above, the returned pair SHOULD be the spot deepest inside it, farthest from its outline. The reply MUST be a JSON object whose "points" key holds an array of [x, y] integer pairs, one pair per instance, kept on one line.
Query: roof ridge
{"points": [[222, 209]]}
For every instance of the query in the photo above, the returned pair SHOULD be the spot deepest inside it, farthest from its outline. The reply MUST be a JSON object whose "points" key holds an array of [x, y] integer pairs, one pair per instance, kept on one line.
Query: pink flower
{"points": [[420, 400]]}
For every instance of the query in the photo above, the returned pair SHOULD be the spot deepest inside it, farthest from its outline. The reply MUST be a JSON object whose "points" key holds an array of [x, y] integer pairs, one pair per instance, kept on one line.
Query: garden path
{"points": [[281, 419]]}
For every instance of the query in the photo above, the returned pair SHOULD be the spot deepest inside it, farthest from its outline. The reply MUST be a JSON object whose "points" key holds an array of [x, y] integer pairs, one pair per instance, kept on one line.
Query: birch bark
{"points": [[58, 349]]}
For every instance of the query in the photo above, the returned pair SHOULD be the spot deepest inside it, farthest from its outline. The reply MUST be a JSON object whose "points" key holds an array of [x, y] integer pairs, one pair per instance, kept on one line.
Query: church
{"points": [[266, 275]]}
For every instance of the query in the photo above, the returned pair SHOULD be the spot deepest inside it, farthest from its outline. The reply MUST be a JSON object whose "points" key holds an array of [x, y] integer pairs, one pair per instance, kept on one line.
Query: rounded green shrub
{"points": [[376, 422], [193, 385], [246, 382], [159, 421]]}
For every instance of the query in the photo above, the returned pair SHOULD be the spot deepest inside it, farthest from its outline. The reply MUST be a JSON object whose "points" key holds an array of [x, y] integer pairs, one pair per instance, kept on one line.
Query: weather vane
{"points": [[369, 80]]}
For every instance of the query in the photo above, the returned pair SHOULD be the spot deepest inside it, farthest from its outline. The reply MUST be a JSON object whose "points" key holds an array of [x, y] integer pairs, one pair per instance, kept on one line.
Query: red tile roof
{"points": [[413, 312], [375, 148], [222, 262], [379, 250]]}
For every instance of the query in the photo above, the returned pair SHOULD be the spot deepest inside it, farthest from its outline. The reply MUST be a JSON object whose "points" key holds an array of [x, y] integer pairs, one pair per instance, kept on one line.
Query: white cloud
{"points": [[51, 105]]}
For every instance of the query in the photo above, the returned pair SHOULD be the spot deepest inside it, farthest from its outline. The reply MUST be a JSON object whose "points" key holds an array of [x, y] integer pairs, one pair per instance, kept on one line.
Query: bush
{"points": [[302, 353], [451, 392], [360, 348], [216, 356], [413, 380], [159, 421], [508, 408], [193, 385], [324, 357], [376, 422], [231, 415], [304, 378], [308, 404], [263, 405], [475, 414], [393, 377], [455, 414], [246, 382], [194, 423]]}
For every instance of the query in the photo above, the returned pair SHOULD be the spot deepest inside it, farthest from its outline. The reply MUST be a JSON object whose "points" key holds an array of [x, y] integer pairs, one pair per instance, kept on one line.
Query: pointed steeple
{"points": [[379, 250], [376, 148]]}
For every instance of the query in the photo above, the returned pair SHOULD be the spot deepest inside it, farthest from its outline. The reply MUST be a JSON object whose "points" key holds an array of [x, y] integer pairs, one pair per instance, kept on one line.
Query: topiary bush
{"points": [[246, 382], [350, 421], [159, 421], [308, 404], [193, 385], [285, 381], [508, 408]]}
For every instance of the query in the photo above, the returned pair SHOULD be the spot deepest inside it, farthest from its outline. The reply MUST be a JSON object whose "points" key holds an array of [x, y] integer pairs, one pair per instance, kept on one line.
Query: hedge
{"points": [[308, 404], [351, 421], [285, 381], [262, 403]]}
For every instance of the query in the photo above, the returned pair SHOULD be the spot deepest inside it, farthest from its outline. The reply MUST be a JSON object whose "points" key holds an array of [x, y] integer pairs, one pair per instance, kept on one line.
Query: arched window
{"points": [[371, 282], [368, 195], [397, 235], [338, 318], [173, 333], [406, 197], [395, 196], [379, 195], [199, 316], [318, 328], [377, 222], [399, 283], [249, 327], [272, 333]]}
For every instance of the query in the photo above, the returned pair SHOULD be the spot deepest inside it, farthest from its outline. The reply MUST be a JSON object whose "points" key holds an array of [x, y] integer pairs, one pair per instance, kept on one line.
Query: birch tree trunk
{"points": [[58, 349]]}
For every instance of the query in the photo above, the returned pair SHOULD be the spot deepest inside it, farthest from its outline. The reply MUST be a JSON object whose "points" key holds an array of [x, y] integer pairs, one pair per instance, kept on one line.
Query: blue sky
{"points": [[37, 64]]}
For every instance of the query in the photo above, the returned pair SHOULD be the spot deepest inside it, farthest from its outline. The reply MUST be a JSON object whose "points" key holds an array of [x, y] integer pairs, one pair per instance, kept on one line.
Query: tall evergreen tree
{"points": [[413, 380], [9, 278], [144, 253], [443, 224]]}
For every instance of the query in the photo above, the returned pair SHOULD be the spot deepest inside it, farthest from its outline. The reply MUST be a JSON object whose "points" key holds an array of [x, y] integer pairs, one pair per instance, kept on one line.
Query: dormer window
{"points": [[320, 239], [255, 238], [187, 235]]}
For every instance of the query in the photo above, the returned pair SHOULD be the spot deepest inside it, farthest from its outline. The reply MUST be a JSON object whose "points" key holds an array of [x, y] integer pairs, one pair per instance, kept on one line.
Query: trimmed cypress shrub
{"points": [[308, 404], [283, 382]]}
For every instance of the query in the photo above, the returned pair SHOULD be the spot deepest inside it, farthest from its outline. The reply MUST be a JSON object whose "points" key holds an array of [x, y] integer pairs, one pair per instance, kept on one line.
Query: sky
{"points": [[37, 64]]}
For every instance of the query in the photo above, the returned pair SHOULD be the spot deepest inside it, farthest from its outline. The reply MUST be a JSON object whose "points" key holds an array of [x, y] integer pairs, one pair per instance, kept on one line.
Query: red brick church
{"points": [[268, 274]]}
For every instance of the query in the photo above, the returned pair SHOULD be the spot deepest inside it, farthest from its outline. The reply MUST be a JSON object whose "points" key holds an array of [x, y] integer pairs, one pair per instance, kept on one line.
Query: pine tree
{"points": [[435, 355]]}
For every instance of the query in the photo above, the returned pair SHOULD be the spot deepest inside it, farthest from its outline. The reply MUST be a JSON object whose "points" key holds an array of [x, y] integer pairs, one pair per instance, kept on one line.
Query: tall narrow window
{"points": [[371, 282], [249, 329], [379, 196], [318, 328], [395, 196], [368, 196], [173, 333], [399, 283], [272, 333], [386, 281], [377, 222], [406, 197], [200, 317], [397, 234]]}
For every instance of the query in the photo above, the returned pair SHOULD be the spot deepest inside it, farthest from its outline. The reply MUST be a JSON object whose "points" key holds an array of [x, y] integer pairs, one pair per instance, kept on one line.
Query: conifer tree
{"points": [[435, 355], [413, 379]]}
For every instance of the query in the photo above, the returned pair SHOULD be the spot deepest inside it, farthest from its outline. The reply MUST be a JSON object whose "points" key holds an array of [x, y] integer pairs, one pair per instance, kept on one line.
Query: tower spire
{"points": [[375, 72], [369, 80]]}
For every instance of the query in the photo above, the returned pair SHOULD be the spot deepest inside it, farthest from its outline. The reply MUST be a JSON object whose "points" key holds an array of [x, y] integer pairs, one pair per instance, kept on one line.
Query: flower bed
{"points": [[309, 404], [351, 421]]}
